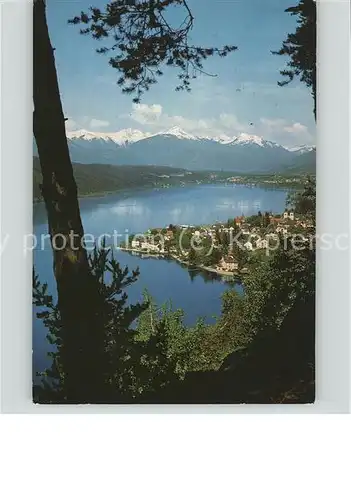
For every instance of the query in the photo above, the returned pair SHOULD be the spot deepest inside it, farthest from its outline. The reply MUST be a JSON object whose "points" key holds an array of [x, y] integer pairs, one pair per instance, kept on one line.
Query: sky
{"points": [[243, 98]]}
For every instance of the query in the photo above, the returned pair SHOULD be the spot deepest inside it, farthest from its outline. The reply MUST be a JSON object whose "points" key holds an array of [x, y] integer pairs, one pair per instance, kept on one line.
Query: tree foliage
{"points": [[112, 355], [300, 47], [262, 348], [143, 39], [304, 201]]}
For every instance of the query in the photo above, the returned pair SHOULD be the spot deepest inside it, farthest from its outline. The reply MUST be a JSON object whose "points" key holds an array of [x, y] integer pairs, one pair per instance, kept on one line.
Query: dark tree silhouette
{"points": [[77, 293], [143, 41], [116, 358], [301, 48]]}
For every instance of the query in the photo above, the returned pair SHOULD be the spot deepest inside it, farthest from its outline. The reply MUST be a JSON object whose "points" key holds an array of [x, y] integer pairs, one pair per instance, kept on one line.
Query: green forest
{"points": [[99, 179], [95, 179]]}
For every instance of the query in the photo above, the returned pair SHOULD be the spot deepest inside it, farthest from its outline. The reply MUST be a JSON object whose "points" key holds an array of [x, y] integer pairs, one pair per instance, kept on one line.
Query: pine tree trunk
{"points": [[77, 291]]}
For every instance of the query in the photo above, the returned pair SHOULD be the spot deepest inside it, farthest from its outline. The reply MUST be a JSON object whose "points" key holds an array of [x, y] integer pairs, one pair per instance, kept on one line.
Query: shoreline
{"points": [[213, 270], [102, 194], [263, 185]]}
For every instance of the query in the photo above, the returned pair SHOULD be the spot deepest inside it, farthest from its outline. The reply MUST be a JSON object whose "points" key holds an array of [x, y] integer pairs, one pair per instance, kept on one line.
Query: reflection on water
{"points": [[189, 205], [133, 210], [195, 291], [211, 277]]}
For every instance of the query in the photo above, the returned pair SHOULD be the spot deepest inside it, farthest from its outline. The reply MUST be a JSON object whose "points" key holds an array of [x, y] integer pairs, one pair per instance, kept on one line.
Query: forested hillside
{"points": [[99, 179], [303, 164]]}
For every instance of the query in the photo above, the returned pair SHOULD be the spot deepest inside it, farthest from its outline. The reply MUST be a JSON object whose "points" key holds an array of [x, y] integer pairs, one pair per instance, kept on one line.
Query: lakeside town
{"points": [[272, 179], [226, 248]]}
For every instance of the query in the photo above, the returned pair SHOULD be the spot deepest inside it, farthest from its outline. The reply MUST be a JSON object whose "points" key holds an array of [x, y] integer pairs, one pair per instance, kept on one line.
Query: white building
{"points": [[149, 246], [262, 244], [248, 245], [282, 230], [289, 215], [228, 264]]}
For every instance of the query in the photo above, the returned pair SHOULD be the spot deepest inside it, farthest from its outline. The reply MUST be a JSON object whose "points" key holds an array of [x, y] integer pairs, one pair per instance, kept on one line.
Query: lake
{"points": [[135, 212]]}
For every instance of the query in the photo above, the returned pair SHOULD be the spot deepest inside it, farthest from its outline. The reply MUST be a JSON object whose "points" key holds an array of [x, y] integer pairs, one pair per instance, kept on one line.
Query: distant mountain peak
{"points": [[84, 134], [129, 135], [121, 137], [179, 133], [247, 139], [176, 147], [222, 139], [302, 149]]}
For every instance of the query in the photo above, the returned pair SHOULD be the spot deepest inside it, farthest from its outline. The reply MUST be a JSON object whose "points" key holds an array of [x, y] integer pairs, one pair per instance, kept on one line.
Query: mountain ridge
{"points": [[135, 135], [174, 147]]}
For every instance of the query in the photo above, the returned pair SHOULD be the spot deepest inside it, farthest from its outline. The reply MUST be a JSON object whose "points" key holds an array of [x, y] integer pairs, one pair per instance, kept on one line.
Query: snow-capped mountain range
{"points": [[178, 148], [129, 136], [302, 149], [121, 138]]}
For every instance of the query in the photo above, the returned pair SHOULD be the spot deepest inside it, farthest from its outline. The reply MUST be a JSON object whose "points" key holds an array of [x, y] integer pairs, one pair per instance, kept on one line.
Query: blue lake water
{"points": [[134, 212]]}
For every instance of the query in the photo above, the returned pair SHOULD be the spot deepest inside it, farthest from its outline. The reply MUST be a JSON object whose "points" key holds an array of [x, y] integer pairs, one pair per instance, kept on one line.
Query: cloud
{"points": [[154, 116], [145, 114], [284, 132], [70, 124], [231, 122], [85, 122], [96, 124], [280, 130], [273, 123], [296, 128]]}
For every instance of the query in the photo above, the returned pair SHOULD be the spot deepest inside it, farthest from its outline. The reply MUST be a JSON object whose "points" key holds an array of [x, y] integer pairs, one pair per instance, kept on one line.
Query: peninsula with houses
{"points": [[229, 248]]}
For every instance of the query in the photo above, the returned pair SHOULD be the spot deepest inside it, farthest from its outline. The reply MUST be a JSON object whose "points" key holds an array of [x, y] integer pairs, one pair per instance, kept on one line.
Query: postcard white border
{"points": [[333, 216]]}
